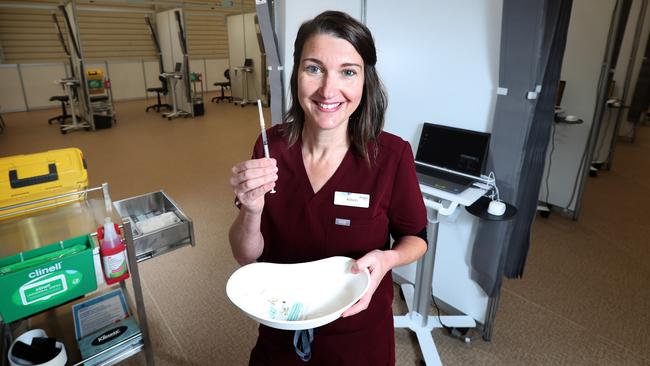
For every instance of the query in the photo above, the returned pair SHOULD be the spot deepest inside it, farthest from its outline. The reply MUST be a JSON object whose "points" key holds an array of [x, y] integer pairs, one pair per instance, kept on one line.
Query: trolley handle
{"points": [[16, 182]]}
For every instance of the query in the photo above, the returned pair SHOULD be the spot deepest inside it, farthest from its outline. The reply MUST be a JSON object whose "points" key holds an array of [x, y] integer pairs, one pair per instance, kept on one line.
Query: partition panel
{"points": [[39, 82], [127, 81], [11, 96]]}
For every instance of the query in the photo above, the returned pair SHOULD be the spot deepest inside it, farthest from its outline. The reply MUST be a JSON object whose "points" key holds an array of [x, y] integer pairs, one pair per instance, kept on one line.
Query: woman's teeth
{"points": [[328, 106]]}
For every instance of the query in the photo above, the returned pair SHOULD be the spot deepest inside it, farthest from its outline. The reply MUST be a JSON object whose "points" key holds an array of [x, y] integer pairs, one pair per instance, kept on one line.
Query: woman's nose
{"points": [[329, 86]]}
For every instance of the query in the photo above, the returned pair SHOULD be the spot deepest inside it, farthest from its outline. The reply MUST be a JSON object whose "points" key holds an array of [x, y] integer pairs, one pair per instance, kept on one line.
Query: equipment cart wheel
{"points": [[63, 132]]}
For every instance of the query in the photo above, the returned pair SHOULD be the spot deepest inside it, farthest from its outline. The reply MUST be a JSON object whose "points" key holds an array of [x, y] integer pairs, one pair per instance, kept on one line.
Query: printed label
{"points": [[352, 199], [114, 265]]}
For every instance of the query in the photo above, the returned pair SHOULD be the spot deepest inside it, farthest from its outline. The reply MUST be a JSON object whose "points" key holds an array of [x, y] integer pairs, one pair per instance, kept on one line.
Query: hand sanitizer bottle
{"points": [[113, 255]]}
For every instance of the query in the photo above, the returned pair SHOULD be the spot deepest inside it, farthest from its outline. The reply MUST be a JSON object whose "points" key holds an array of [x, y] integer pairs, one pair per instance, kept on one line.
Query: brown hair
{"points": [[367, 121]]}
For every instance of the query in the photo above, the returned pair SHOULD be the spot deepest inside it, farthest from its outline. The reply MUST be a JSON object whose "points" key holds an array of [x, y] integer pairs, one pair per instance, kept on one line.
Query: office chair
{"points": [[162, 90], [223, 85], [64, 112]]}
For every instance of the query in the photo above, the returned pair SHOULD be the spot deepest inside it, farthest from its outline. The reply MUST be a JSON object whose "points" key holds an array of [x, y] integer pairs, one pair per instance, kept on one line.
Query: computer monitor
{"points": [[452, 148]]}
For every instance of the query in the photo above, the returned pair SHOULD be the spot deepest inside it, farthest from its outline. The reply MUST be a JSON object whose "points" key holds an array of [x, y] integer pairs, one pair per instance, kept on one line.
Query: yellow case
{"points": [[32, 177]]}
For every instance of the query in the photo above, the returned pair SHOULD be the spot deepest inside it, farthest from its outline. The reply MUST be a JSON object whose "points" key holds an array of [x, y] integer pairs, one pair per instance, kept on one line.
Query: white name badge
{"points": [[352, 199]]}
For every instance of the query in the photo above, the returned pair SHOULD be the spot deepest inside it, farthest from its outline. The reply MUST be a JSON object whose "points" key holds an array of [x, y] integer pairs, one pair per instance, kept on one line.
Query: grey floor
{"points": [[584, 298]]}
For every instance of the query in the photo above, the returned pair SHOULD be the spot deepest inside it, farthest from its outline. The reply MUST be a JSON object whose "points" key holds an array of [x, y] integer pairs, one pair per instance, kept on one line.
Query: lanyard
{"points": [[302, 343]]}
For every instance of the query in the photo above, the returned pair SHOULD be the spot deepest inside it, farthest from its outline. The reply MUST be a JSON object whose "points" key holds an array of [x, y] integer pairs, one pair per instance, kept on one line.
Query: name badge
{"points": [[352, 199]]}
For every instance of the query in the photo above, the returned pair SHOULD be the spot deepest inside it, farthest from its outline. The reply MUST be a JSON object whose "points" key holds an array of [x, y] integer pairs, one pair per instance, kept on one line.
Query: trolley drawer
{"points": [[165, 236]]}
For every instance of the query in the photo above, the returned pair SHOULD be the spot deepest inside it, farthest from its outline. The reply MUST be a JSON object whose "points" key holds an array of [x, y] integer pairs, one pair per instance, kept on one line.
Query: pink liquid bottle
{"points": [[113, 254]]}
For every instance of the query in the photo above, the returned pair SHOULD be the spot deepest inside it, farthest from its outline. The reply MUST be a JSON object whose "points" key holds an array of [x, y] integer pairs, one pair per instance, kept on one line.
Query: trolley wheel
{"points": [[63, 132], [545, 214], [169, 118], [242, 105], [87, 128]]}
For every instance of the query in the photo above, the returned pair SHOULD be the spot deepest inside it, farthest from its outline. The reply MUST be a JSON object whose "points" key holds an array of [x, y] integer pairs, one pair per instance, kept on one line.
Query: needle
{"points": [[265, 141]]}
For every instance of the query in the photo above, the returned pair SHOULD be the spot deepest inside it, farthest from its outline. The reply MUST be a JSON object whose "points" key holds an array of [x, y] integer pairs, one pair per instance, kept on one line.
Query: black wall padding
{"points": [[533, 38]]}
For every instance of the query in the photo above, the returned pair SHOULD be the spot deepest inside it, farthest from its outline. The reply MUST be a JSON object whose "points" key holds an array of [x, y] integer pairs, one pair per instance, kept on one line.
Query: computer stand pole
{"points": [[418, 297]]}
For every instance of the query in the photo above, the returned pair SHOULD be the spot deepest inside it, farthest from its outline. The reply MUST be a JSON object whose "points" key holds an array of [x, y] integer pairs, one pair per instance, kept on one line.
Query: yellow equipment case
{"points": [[31, 177]]}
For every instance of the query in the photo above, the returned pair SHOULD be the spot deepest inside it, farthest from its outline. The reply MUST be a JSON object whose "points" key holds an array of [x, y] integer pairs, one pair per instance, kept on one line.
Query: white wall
{"points": [[581, 67], [243, 44], [10, 98], [439, 62]]}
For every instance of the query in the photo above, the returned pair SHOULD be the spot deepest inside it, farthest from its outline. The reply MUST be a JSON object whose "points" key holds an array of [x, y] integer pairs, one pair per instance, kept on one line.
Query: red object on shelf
{"points": [[112, 251]]}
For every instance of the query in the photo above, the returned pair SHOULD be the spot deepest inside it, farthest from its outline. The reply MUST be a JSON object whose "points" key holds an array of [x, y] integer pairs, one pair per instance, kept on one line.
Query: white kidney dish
{"points": [[297, 296]]}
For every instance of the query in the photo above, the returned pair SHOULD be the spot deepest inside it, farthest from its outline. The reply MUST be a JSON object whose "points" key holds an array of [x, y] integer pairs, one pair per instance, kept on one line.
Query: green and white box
{"points": [[45, 277]]}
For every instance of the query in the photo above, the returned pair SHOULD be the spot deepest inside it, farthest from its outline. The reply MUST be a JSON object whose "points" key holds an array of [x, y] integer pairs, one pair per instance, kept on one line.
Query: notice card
{"points": [[98, 312]]}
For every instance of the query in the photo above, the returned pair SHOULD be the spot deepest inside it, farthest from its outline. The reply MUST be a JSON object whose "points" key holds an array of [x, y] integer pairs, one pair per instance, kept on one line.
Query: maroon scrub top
{"points": [[299, 225]]}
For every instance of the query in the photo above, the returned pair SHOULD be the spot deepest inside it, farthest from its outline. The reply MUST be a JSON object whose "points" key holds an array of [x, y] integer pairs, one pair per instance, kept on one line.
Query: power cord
{"points": [[459, 333], [492, 182]]}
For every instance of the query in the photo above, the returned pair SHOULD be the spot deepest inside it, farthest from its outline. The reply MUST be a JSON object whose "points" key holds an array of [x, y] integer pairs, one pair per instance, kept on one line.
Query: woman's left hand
{"points": [[377, 264]]}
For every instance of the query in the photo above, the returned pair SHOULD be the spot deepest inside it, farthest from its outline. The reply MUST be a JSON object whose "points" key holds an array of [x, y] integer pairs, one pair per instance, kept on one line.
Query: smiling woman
{"points": [[345, 187]]}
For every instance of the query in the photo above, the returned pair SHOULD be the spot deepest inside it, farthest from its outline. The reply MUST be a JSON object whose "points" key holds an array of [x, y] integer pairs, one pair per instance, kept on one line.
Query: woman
{"points": [[343, 186]]}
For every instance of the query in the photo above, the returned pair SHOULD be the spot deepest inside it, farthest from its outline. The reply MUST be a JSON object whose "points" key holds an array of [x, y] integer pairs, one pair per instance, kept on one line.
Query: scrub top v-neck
{"points": [[299, 225]]}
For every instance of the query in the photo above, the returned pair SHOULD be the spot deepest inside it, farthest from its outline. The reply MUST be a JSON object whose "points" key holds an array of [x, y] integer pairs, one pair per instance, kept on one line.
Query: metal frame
{"points": [[626, 86], [133, 269], [418, 296], [603, 85]]}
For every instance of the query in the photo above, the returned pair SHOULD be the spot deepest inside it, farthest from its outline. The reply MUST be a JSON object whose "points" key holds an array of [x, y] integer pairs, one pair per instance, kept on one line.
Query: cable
{"points": [[460, 333], [447, 328]]}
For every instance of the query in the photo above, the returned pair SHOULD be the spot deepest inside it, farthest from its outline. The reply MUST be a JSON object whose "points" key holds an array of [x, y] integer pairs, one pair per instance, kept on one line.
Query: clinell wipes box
{"points": [[45, 277]]}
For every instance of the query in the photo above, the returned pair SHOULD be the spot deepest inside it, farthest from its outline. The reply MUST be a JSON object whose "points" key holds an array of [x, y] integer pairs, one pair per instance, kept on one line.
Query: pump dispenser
{"points": [[112, 252]]}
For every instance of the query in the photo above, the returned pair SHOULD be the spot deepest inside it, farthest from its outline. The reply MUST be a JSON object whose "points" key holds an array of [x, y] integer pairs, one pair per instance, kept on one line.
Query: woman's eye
{"points": [[312, 69], [349, 73]]}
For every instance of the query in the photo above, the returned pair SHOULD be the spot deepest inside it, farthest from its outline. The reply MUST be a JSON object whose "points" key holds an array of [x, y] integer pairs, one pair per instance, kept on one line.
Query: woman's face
{"points": [[330, 81]]}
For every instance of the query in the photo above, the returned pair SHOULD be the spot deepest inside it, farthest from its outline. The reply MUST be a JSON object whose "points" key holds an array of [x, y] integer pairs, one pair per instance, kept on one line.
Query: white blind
{"points": [[110, 30], [29, 35]]}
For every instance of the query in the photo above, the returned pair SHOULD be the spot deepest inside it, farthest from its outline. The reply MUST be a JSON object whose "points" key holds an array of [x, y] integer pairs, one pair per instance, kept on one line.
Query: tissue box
{"points": [[108, 337]]}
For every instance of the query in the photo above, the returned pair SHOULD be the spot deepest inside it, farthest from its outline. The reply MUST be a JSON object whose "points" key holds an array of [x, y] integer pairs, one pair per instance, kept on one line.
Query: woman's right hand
{"points": [[251, 179]]}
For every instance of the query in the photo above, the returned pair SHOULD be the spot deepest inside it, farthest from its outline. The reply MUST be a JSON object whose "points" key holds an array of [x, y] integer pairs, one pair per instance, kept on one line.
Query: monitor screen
{"points": [[453, 148]]}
